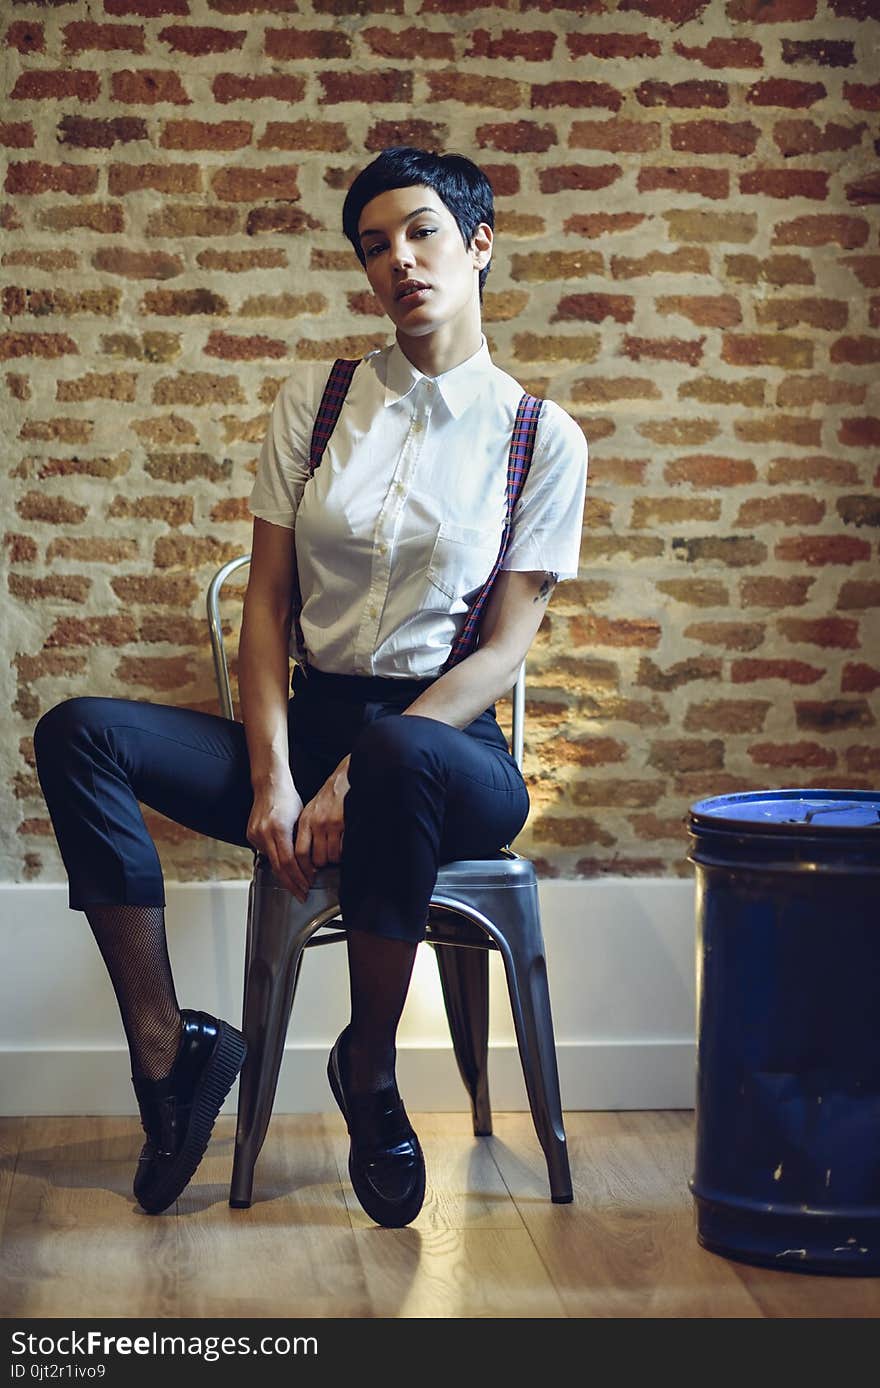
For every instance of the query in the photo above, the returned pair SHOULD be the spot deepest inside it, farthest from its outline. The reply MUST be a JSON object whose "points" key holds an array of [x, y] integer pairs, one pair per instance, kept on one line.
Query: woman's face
{"points": [[417, 264]]}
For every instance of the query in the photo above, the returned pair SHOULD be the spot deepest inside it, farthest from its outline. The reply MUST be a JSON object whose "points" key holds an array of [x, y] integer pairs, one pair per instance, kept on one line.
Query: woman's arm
{"points": [[263, 681], [513, 614]]}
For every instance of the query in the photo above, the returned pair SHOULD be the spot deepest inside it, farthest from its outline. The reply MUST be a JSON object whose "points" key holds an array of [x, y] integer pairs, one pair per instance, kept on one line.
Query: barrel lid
{"points": [[777, 811]]}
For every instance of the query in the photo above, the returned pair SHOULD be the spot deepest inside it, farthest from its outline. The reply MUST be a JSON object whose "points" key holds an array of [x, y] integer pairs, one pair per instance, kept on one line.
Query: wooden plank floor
{"points": [[488, 1242]]}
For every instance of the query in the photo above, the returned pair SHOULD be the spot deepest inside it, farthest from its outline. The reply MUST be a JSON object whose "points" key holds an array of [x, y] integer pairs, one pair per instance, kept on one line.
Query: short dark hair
{"points": [[457, 181]]}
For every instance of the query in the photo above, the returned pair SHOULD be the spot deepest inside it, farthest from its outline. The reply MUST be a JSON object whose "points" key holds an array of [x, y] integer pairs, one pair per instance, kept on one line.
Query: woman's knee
{"points": [[393, 745], [60, 726]]}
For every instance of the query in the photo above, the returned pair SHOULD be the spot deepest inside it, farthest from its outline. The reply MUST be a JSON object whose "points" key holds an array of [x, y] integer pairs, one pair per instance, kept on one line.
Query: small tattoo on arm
{"points": [[548, 583]]}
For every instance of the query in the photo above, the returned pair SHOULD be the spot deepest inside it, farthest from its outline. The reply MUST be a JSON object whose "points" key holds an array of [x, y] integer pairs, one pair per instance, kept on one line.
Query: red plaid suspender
{"points": [[522, 445], [519, 458]]}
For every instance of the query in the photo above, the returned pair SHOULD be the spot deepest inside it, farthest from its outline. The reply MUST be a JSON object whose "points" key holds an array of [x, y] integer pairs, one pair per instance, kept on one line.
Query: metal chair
{"points": [[476, 906]]}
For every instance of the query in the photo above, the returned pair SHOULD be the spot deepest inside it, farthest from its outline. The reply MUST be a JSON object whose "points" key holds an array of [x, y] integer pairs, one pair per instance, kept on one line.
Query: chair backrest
{"points": [[221, 669]]}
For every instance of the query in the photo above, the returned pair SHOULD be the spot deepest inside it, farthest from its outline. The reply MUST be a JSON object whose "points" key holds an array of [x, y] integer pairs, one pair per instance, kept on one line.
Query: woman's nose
{"points": [[402, 256]]}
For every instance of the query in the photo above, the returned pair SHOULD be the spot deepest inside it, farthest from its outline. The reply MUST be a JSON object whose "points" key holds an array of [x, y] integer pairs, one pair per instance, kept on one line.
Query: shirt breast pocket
{"points": [[462, 559]]}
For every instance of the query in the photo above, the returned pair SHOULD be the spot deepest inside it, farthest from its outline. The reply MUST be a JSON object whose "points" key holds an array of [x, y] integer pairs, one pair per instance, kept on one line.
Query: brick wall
{"points": [[687, 260]]}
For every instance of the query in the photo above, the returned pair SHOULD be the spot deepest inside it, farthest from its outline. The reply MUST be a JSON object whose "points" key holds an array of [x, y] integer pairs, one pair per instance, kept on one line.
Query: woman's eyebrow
{"points": [[372, 231]]}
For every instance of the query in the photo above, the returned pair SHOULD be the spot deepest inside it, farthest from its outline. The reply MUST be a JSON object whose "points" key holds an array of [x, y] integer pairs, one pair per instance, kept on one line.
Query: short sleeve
{"points": [[283, 467], [548, 518]]}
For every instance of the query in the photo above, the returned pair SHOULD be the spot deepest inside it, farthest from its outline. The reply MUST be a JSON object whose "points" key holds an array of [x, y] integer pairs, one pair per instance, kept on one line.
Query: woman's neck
{"points": [[437, 352]]}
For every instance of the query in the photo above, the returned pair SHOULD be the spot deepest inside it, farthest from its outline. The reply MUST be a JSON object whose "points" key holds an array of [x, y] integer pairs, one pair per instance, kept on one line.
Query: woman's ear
{"points": [[481, 245]]}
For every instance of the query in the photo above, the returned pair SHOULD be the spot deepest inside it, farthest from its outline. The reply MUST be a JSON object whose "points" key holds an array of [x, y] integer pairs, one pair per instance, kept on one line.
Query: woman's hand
{"points": [[271, 829], [321, 825]]}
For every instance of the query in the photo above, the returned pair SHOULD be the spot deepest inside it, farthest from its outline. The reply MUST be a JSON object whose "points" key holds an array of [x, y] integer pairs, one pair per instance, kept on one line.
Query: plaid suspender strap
{"points": [[522, 445], [332, 400], [329, 409]]}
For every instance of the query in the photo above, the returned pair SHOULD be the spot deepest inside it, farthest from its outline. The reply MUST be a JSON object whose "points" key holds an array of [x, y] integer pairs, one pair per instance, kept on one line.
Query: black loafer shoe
{"points": [[178, 1112], [385, 1163]]}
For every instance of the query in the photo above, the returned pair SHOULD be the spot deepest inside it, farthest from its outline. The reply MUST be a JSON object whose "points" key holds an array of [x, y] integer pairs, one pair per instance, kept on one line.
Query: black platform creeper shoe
{"points": [[178, 1112], [385, 1162]]}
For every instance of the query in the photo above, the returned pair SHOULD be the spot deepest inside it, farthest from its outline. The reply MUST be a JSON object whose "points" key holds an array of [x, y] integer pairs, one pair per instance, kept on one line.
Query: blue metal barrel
{"points": [[787, 1163]]}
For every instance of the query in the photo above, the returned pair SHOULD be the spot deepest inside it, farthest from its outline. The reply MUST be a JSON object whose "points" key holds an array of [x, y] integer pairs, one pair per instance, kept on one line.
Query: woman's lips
{"points": [[414, 296]]}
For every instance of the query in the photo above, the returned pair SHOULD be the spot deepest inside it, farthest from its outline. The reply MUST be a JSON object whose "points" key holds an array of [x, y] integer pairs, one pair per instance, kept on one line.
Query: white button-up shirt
{"points": [[401, 524]]}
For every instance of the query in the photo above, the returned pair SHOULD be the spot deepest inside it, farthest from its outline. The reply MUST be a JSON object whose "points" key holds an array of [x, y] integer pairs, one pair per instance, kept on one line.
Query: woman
{"points": [[396, 475]]}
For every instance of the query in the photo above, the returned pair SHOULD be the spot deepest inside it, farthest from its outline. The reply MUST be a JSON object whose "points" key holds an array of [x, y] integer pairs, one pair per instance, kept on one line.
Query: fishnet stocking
{"points": [[379, 973], [134, 947]]}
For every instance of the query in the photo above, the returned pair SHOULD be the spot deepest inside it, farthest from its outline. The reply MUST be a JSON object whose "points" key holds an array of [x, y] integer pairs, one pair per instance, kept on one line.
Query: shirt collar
{"points": [[458, 387]]}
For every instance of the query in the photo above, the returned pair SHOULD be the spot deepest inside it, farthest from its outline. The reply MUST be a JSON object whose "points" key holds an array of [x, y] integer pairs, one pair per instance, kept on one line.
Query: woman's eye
{"points": [[426, 231], [376, 247]]}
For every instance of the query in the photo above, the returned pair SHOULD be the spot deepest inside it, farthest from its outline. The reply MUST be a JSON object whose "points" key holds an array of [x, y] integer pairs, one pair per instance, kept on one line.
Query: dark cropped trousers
{"points": [[421, 793]]}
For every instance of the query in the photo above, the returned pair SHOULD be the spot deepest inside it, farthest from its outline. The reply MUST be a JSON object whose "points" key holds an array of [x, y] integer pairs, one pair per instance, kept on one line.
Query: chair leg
{"points": [[526, 970], [273, 960], [464, 977]]}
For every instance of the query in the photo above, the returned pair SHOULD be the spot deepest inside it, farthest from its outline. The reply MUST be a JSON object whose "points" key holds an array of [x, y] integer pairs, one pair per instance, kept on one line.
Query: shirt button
{"points": [[383, 548]]}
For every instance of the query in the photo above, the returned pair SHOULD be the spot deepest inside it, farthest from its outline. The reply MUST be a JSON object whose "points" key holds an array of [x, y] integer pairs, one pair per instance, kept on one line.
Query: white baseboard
{"points": [[620, 961]]}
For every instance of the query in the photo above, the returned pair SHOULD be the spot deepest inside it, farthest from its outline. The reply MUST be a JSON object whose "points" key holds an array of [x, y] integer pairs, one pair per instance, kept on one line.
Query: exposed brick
{"points": [[715, 137], [148, 9], [421, 133], [833, 715], [231, 347], [785, 91], [859, 433], [63, 430], [582, 751], [686, 260], [45, 345], [786, 183], [498, 308], [593, 224], [863, 758], [181, 468], [680, 673], [43, 302], [678, 432], [532, 45], [148, 87], [40, 84], [859, 678], [689, 351], [83, 36], [164, 178], [767, 349], [91, 550], [788, 313], [198, 134], [616, 135], [707, 470], [137, 265], [788, 509], [857, 351], [705, 311], [695, 592], [682, 755], [517, 137], [105, 218], [748, 391], [239, 262], [415, 42], [859, 510], [277, 183], [624, 472], [600, 390], [863, 191], [866, 269], [751, 669], [792, 754], [575, 177], [555, 265], [27, 36], [796, 137], [577, 94], [331, 136], [736, 551], [117, 385], [723, 53], [859, 594], [822, 52], [610, 46], [173, 510], [570, 832], [379, 87], [620, 865], [197, 40], [535, 347], [176, 220], [774, 592], [32, 177], [55, 510], [733, 636], [17, 134], [817, 550], [283, 221], [862, 95], [174, 590], [776, 269], [183, 301], [83, 132], [229, 86], [682, 94], [57, 587], [118, 630], [283, 305], [727, 716], [648, 512], [197, 388], [835, 471], [357, 345], [706, 183], [820, 390], [602, 631], [652, 826], [19, 386], [610, 791], [835, 633]]}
